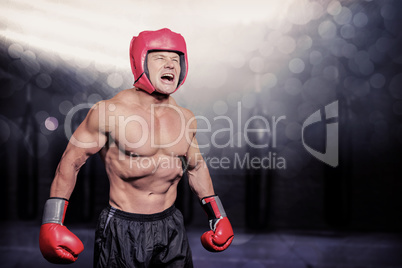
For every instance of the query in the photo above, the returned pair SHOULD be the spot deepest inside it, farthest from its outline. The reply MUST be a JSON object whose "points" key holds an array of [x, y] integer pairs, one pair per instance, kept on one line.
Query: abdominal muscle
{"points": [[143, 184]]}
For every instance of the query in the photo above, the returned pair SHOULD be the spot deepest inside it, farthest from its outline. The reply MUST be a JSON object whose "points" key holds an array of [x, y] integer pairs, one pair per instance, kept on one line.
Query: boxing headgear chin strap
{"points": [[160, 40]]}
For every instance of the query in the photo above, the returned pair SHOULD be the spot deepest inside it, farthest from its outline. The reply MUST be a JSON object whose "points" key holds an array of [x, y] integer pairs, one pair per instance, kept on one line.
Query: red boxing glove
{"points": [[221, 234], [57, 244]]}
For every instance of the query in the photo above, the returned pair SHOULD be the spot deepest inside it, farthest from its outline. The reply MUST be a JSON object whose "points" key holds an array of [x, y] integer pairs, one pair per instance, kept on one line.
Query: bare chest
{"points": [[148, 134]]}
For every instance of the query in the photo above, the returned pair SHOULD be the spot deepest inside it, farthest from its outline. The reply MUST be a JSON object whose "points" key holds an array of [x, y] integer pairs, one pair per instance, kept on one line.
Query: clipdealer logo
{"points": [[244, 129], [331, 154]]}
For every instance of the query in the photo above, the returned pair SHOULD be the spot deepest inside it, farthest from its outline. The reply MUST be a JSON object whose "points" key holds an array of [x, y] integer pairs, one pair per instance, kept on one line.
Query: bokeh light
{"points": [[304, 42], [296, 65], [360, 19], [377, 80], [293, 86], [43, 80], [65, 106], [343, 17], [220, 107], [286, 44], [269, 80], [334, 8], [15, 51], [347, 31], [51, 123], [256, 64], [41, 116], [327, 29], [249, 100], [115, 80]]}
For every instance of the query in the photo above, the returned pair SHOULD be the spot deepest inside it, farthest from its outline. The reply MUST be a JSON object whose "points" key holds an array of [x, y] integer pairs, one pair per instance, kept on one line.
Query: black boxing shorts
{"points": [[136, 240]]}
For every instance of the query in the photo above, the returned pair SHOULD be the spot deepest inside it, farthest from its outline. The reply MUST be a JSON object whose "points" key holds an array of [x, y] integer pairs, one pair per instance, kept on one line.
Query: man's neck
{"points": [[147, 99]]}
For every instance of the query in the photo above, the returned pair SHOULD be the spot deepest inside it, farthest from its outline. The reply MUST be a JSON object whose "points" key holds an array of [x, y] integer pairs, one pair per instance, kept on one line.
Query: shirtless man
{"points": [[145, 139]]}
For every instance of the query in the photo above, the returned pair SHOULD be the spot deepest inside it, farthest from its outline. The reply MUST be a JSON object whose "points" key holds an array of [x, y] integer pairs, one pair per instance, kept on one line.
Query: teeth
{"points": [[169, 75]]}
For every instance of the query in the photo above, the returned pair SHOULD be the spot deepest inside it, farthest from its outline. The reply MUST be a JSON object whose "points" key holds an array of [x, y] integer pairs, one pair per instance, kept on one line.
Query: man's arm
{"points": [[88, 139], [221, 234], [198, 174], [56, 242]]}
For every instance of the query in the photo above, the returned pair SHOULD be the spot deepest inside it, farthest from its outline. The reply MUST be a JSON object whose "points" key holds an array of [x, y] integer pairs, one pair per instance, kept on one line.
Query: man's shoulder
{"points": [[120, 104], [187, 112], [123, 96], [122, 100]]}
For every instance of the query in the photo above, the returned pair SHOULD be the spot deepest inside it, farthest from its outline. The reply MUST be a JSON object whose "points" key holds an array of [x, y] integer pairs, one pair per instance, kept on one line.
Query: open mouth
{"points": [[167, 77]]}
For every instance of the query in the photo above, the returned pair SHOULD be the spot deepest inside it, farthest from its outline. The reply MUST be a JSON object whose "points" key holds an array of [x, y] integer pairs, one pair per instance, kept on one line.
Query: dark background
{"points": [[354, 60]]}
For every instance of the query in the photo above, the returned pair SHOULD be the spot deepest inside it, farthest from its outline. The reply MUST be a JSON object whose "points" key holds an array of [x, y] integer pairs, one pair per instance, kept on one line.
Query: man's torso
{"points": [[142, 153]]}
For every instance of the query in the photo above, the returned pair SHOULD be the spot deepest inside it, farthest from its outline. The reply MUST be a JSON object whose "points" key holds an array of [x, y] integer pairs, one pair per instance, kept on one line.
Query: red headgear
{"points": [[148, 41]]}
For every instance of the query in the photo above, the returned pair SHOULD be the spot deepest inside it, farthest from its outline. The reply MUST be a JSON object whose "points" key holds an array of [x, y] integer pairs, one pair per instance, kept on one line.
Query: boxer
{"points": [[144, 139]]}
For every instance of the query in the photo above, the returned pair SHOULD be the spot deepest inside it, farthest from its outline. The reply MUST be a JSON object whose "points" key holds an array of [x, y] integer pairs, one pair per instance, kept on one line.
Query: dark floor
{"points": [[19, 248]]}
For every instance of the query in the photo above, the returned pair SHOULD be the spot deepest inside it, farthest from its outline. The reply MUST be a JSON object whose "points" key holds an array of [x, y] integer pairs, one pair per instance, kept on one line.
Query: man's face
{"points": [[164, 70]]}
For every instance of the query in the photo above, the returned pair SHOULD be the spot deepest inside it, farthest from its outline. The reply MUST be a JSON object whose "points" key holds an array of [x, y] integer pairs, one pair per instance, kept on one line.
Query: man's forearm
{"points": [[65, 178], [63, 186], [200, 181]]}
